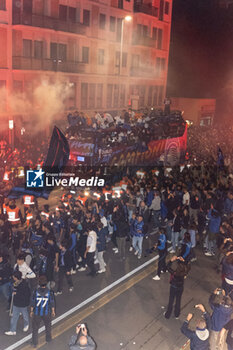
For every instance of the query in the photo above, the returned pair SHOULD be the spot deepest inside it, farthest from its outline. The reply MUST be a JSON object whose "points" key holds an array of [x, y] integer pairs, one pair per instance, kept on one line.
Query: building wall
{"points": [[194, 108], [59, 40]]}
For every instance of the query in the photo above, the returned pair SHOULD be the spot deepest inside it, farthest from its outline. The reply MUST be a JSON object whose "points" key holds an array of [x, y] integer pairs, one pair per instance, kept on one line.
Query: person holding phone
{"points": [[81, 340]]}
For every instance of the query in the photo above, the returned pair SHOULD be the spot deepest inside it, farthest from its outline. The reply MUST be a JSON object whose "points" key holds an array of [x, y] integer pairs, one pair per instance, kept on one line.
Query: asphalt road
{"points": [[130, 315]]}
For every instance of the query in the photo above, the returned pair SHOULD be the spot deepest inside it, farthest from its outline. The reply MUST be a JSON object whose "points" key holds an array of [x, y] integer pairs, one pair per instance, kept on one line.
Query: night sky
{"points": [[201, 52]]}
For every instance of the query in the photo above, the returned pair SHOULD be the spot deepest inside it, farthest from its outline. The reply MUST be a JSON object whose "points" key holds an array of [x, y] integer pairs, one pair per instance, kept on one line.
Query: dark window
{"points": [[85, 54], [53, 51], [160, 39], [27, 6], [2, 6], [142, 90], [119, 27], [115, 95], [86, 17], [161, 10], [145, 31], [120, 4], [84, 93], [99, 96], [101, 56], [92, 95], [112, 24], [71, 100], [160, 99], [109, 95], [27, 48], [166, 10], [124, 59], [58, 51], [102, 21], [62, 12], [150, 95], [155, 96], [72, 14], [122, 96], [62, 52], [158, 67], [154, 33], [38, 49], [117, 61]]}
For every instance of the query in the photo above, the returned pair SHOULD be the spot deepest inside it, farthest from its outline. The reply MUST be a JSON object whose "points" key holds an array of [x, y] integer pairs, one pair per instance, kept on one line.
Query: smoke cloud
{"points": [[39, 107]]}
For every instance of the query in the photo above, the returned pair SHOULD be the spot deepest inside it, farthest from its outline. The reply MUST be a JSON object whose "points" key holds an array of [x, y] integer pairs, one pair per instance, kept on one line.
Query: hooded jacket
{"points": [[221, 314], [199, 339]]}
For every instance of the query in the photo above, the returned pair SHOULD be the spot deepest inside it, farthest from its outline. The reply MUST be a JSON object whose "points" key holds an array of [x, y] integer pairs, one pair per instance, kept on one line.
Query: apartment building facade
{"points": [[108, 62]]}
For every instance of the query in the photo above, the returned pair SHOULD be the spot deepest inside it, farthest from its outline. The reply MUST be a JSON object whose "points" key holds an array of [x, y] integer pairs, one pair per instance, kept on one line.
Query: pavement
{"points": [[129, 315]]}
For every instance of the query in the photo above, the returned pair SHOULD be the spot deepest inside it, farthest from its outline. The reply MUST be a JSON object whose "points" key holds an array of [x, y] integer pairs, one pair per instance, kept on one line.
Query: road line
{"points": [[87, 301]]}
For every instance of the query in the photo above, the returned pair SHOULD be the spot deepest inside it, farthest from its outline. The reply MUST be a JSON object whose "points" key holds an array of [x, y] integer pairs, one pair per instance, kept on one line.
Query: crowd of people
{"points": [[185, 208], [188, 207], [127, 128]]}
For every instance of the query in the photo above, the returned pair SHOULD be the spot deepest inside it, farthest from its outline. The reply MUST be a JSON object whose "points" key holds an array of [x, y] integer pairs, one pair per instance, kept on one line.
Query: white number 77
{"points": [[44, 300]]}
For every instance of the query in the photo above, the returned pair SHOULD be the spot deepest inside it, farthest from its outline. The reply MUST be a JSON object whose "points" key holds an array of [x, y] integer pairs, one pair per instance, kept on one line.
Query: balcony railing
{"points": [[48, 22], [147, 9], [47, 64], [144, 41]]}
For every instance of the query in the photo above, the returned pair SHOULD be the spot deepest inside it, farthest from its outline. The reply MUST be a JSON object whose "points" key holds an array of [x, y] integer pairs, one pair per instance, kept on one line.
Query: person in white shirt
{"points": [[90, 251], [23, 267], [186, 198]]}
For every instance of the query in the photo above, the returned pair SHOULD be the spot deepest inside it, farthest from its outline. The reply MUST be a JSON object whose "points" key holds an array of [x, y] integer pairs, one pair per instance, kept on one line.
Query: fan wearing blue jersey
{"points": [[42, 308]]}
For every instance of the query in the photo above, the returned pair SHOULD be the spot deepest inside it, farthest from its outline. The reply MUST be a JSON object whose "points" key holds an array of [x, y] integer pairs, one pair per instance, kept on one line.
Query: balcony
{"points": [[147, 72], [144, 41], [31, 63], [48, 22], [147, 9]]}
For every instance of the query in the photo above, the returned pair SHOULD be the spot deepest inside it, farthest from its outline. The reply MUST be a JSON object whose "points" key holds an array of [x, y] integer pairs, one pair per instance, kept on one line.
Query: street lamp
{"points": [[127, 18]]}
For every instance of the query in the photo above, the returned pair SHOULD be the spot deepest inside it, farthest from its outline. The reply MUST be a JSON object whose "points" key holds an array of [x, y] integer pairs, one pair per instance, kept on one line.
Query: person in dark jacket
{"points": [[178, 275], [162, 249], [222, 310], [81, 340], [176, 230], [42, 308], [213, 230], [5, 277], [199, 339], [101, 247], [20, 302], [65, 264], [122, 230], [227, 273]]}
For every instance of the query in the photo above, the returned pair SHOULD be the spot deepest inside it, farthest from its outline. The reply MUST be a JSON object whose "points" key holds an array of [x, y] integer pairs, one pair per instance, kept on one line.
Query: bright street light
{"points": [[128, 18]]}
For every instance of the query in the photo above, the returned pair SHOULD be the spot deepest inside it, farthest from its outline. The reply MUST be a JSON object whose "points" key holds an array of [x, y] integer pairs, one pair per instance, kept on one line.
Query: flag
{"points": [[220, 159], [59, 151], [56, 159]]}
